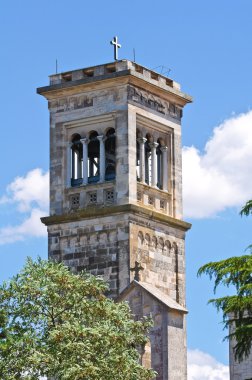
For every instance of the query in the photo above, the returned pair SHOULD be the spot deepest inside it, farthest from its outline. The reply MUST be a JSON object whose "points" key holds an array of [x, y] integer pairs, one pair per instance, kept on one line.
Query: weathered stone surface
{"points": [[166, 352], [105, 227]]}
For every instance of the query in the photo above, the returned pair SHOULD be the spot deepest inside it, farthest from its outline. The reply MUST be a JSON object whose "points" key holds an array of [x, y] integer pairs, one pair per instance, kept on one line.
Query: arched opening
{"points": [[110, 160], [93, 158], [147, 155], [138, 161], [76, 160], [159, 164]]}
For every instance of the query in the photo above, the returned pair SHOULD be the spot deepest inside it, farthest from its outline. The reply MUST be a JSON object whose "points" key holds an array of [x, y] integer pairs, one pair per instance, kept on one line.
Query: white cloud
{"points": [[29, 194], [28, 190], [220, 177], [214, 180], [202, 366]]}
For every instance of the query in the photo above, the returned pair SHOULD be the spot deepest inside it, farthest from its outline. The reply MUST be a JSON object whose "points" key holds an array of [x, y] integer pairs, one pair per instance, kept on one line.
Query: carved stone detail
{"points": [[70, 103], [148, 100]]}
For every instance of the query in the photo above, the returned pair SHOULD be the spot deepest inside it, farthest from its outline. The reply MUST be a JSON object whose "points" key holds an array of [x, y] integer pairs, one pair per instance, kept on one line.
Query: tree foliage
{"points": [[58, 324], [237, 309], [247, 209]]}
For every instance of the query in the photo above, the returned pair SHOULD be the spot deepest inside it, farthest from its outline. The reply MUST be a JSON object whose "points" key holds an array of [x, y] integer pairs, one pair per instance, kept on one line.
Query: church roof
{"points": [[154, 292]]}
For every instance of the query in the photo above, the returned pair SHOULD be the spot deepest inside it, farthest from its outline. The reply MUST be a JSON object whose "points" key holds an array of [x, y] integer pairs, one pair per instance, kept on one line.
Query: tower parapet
{"points": [[116, 189]]}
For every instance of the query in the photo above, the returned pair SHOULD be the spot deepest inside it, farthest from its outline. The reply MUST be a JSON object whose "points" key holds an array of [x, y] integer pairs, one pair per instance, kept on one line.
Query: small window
{"points": [[75, 201], [150, 200], [109, 196], [92, 197]]}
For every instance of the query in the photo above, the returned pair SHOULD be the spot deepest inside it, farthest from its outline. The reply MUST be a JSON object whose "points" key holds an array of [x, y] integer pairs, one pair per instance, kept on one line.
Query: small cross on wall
{"points": [[116, 47], [137, 268]]}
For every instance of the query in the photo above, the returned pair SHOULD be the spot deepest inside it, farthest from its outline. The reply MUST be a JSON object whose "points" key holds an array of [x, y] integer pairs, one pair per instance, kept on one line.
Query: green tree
{"points": [[237, 308], [58, 324]]}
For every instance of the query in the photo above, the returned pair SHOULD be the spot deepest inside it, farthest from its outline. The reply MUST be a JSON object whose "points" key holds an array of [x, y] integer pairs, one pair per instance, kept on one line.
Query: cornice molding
{"points": [[94, 212]]}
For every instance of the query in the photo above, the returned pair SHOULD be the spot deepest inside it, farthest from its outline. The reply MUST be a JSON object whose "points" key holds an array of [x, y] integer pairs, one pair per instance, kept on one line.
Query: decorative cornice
{"points": [[130, 76], [70, 103], [147, 99], [95, 212]]}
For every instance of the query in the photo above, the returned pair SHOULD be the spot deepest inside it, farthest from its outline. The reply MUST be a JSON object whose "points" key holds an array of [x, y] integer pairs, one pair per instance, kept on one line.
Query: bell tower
{"points": [[116, 193]]}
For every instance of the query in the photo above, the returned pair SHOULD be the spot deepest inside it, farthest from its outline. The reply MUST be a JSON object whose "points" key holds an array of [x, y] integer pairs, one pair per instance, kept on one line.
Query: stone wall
{"points": [[99, 246], [166, 350], [109, 244], [162, 256], [242, 370]]}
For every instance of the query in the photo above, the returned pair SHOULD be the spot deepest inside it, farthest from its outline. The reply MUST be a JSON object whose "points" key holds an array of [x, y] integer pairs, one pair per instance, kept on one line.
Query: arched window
{"points": [[77, 158], [159, 165], [138, 161], [148, 159], [93, 158], [110, 147]]}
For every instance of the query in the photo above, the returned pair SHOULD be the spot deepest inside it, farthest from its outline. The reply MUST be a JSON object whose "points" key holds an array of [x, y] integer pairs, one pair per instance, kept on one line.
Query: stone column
{"points": [[154, 146], [142, 141], [69, 164], [102, 158], [84, 160], [164, 172]]}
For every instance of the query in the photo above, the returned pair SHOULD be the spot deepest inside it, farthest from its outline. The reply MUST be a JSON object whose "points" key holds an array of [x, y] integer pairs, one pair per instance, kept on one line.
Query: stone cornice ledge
{"points": [[94, 212]]}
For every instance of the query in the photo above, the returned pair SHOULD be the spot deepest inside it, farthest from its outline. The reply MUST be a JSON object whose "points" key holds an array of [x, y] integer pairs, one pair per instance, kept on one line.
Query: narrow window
{"points": [[159, 165], [138, 161], [110, 147], [93, 158], [148, 159], [77, 158]]}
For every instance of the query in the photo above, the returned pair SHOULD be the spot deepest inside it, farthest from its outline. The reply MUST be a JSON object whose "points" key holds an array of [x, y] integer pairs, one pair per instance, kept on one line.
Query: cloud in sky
{"points": [[220, 177], [214, 180], [202, 366], [29, 195]]}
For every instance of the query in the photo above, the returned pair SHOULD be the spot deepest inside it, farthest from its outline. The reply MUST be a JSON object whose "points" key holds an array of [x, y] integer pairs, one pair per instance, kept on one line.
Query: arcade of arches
{"points": [[93, 159]]}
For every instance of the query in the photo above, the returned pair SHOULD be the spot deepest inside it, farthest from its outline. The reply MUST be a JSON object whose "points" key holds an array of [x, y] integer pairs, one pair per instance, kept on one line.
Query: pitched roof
{"points": [[154, 292]]}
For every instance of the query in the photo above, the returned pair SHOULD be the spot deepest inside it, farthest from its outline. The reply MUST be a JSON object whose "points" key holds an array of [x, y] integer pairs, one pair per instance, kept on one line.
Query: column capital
{"points": [[154, 144], [100, 137], [141, 140], [164, 148], [85, 140]]}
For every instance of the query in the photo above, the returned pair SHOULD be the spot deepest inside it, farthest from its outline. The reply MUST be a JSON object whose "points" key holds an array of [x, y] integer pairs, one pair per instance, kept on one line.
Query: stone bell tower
{"points": [[116, 194]]}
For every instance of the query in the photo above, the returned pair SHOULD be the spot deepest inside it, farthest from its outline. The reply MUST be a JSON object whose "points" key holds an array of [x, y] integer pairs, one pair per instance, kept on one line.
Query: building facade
{"points": [[116, 194]]}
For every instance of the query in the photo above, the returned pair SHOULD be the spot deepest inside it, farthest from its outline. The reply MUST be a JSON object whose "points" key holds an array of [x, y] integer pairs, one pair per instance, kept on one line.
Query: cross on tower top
{"points": [[137, 268], [116, 47]]}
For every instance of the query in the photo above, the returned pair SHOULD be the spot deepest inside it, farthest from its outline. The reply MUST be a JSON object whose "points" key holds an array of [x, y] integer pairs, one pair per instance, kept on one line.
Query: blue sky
{"points": [[207, 46]]}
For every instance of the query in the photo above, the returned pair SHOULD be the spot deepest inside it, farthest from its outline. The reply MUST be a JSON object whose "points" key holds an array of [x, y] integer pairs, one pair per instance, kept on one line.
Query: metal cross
{"points": [[116, 47], [137, 269]]}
